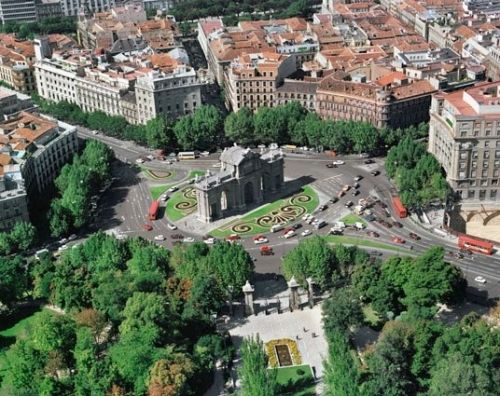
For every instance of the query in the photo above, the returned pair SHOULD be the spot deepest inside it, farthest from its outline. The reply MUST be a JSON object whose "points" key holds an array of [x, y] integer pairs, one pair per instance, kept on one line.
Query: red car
{"points": [[398, 240], [147, 227]]}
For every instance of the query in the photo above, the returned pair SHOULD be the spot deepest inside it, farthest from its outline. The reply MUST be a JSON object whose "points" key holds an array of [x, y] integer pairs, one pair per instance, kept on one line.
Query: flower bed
{"points": [[293, 349]]}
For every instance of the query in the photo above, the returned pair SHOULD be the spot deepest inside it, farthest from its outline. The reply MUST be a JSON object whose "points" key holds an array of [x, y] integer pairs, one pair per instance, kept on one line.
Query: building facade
{"points": [[246, 179], [464, 136], [16, 63], [12, 102], [383, 106], [302, 91], [17, 11], [252, 79], [48, 9], [75, 7]]}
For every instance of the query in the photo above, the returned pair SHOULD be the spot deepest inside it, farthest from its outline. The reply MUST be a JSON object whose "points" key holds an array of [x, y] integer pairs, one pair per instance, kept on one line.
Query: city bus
{"points": [[153, 210], [475, 245], [187, 155]]}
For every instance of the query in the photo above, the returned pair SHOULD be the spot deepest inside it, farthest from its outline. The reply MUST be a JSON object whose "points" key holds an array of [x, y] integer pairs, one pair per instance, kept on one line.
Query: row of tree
{"points": [[206, 129], [19, 239], [28, 30], [76, 184], [138, 319], [417, 174], [194, 9]]}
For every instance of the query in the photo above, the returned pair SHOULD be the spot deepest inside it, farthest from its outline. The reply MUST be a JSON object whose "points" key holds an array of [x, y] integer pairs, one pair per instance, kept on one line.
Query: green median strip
{"points": [[352, 219], [157, 191], [348, 240]]}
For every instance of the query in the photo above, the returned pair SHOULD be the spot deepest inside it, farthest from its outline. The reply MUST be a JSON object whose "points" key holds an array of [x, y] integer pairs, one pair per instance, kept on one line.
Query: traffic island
{"points": [[260, 221], [181, 204]]}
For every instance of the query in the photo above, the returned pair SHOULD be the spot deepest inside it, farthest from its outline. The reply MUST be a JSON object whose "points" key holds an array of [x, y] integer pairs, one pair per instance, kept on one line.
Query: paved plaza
{"points": [[288, 325]]}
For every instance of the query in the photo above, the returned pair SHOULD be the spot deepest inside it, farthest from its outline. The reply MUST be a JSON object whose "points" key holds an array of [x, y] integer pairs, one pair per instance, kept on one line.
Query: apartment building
{"points": [[48, 9], [138, 87], [33, 149], [16, 63], [396, 105], [302, 91], [222, 45], [252, 79], [464, 136], [12, 102], [77, 7], [17, 11], [174, 92]]}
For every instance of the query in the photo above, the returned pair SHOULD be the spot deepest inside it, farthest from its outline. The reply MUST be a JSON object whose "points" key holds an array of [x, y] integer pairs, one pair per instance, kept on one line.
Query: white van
{"points": [[277, 227], [40, 253]]}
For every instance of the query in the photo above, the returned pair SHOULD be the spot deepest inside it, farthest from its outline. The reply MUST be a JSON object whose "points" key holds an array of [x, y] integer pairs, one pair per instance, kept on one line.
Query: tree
{"points": [[341, 374], [170, 376], [433, 280], [458, 376], [23, 234], [239, 126], [93, 320], [341, 311], [390, 362], [5, 243], [54, 333], [13, 281], [311, 258], [231, 264], [200, 130], [256, 379], [158, 133]]}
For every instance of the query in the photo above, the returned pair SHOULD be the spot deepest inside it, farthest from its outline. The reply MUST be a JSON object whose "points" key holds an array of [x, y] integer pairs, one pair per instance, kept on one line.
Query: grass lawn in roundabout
{"points": [[351, 240], [181, 203], [157, 175], [261, 220], [352, 219], [157, 191]]}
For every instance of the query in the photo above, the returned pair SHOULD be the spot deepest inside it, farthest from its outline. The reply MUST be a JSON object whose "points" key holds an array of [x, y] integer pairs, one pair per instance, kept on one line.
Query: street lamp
{"points": [[230, 289]]}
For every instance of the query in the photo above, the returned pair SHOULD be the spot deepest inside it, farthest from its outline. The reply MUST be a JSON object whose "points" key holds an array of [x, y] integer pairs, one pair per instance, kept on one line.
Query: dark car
{"points": [[322, 208], [375, 173], [397, 224], [355, 192], [296, 226], [373, 234], [177, 236], [348, 204], [358, 178], [334, 200], [414, 236], [330, 165], [368, 161]]}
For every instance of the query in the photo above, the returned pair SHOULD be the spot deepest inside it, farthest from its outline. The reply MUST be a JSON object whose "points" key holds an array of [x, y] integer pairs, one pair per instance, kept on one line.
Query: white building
{"points": [[17, 11]]}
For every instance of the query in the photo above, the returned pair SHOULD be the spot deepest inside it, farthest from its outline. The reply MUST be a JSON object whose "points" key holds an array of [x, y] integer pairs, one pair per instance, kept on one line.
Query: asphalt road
{"points": [[124, 207]]}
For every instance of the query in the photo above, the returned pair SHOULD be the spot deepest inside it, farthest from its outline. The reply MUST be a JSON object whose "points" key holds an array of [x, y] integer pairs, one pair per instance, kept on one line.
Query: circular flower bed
{"points": [[275, 348]]}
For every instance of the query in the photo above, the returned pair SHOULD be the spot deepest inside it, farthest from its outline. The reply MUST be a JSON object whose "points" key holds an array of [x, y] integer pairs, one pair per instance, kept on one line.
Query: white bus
{"points": [[187, 155]]}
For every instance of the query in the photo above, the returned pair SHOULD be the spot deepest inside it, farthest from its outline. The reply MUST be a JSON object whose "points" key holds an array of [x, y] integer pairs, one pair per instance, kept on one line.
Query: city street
{"points": [[124, 207]]}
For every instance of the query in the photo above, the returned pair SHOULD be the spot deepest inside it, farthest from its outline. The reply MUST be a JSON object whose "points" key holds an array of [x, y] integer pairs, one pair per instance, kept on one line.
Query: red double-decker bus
{"points": [[153, 210], [475, 245]]}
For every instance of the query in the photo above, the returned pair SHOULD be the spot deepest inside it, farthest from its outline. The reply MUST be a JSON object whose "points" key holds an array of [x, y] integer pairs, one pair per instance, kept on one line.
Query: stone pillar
{"points": [[248, 290], [293, 298], [310, 291]]}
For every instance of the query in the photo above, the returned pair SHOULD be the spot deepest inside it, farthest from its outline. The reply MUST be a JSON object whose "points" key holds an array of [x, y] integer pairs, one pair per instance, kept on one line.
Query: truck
{"points": [[153, 210], [399, 207]]}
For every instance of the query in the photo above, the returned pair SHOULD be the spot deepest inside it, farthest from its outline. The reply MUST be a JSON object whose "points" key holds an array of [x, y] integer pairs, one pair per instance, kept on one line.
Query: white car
{"points": [[168, 162], [260, 241], [163, 198], [172, 226], [150, 157], [159, 237], [63, 241], [480, 279], [188, 240], [173, 189], [306, 233], [95, 132], [338, 162], [72, 237], [290, 234], [217, 165], [310, 220], [209, 241], [139, 161], [63, 247]]}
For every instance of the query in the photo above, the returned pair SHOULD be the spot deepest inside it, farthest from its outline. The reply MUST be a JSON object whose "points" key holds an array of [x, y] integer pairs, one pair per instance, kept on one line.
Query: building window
{"points": [[493, 194], [482, 195]]}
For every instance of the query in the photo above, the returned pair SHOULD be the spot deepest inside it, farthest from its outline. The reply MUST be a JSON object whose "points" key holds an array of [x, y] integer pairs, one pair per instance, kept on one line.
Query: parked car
{"points": [[306, 233], [147, 227], [375, 173]]}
